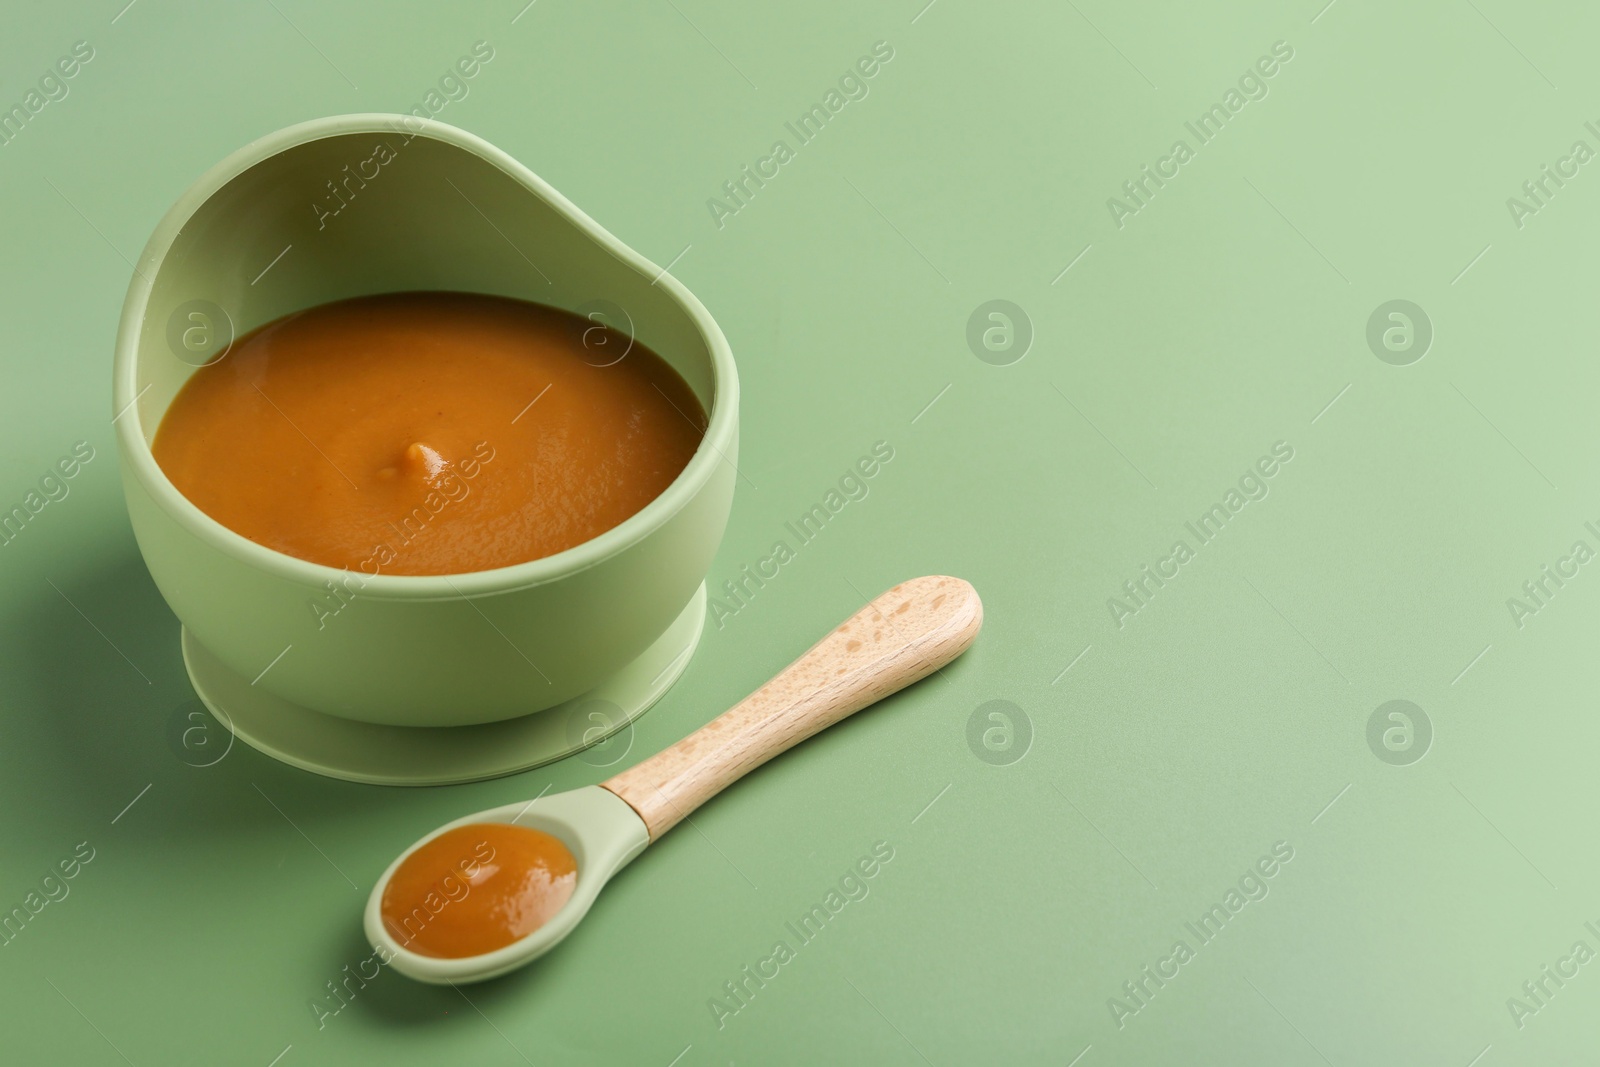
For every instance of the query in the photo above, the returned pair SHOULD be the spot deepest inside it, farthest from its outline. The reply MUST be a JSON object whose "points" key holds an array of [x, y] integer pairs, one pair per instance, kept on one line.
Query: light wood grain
{"points": [[900, 637]]}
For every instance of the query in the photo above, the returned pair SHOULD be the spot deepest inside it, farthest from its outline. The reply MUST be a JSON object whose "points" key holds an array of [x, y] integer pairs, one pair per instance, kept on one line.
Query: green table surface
{"points": [[1149, 757]]}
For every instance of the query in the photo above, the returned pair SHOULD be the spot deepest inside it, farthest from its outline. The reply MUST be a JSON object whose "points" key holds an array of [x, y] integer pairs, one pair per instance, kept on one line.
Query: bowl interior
{"points": [[381, 209]]}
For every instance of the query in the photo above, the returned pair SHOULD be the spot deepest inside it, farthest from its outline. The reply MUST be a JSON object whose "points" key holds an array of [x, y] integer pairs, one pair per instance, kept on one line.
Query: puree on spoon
{"points": [[428, 433], [477, 888]]}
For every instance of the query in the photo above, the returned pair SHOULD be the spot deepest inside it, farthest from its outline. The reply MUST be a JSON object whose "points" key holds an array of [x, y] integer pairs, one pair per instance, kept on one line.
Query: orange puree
{"points": [[477, 888], [428, 433]]}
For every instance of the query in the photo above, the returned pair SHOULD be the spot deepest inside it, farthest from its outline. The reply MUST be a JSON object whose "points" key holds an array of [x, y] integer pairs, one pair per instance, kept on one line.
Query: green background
{"points": [[1230, 713]]}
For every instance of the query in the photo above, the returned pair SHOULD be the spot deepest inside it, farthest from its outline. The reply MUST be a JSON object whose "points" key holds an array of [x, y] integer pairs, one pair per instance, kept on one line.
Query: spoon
{"points": [[902, 636]]}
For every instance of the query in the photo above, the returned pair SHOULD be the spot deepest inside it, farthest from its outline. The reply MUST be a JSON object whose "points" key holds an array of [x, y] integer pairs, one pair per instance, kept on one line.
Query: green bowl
{"points": [[361, 204]]}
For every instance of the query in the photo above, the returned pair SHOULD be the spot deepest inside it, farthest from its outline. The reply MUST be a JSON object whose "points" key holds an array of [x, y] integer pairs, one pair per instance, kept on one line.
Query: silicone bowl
{"points": [[362, 204]]}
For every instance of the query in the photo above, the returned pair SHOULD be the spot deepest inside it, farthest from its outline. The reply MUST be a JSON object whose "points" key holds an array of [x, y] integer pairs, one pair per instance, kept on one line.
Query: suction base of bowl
{"points": [[447, 755]]}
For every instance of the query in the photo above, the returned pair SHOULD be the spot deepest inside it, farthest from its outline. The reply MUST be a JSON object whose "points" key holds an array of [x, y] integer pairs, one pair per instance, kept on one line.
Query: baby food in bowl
{"points": [[428, 433]]}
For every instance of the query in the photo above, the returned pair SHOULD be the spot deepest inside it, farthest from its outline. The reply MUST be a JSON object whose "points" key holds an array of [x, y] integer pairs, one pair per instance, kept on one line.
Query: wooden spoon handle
{"points": [[902, 636]]}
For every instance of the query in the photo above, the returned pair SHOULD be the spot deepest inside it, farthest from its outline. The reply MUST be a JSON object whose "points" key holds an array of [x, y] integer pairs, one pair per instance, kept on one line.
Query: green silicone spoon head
{"points": [[602, 832]]}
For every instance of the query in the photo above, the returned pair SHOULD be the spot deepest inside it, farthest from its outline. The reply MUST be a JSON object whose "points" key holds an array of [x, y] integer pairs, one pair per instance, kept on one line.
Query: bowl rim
{"points": [[722, 419]]}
